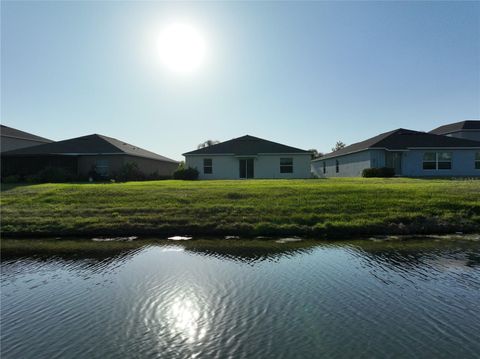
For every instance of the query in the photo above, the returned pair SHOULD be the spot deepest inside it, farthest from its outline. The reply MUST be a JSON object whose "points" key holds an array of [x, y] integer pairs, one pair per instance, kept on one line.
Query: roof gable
{"points": [[88, 145], [246, 145], [6, 131], [403, 139], [467, 125]]}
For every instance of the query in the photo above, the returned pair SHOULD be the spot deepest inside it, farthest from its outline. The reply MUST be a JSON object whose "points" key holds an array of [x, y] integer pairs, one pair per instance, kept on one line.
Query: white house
{"points": [[249, 157]]}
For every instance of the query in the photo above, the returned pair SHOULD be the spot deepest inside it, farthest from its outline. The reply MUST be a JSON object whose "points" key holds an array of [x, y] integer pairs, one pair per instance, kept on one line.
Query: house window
{"points": [[207, 166], [430, 160], [444, 160], [337, 166], [477, 160], [102, 167], [437, 161], [324, 167], [286, 165]]}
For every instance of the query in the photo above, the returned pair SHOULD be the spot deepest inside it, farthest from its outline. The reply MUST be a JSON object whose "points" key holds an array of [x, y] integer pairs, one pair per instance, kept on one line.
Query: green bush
{"points": [[52, 174], [186, 173], [129, 172], [156, 177], [11, 179], [378, 172]]}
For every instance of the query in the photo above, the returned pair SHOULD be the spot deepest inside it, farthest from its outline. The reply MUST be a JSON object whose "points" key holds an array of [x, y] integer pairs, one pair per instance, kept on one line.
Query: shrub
{"points": [[378, 172], [186, 173], [11, 179], [156, 177], [52, 174], [129, 172]]}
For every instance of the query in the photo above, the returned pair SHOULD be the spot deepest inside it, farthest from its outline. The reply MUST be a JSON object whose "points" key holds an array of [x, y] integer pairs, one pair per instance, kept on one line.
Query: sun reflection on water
{"points": [[186, 318]]}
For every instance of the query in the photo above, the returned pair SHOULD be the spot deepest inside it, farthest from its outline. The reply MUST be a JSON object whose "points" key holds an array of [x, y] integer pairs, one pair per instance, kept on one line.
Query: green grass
{"points": [[314, 208]]}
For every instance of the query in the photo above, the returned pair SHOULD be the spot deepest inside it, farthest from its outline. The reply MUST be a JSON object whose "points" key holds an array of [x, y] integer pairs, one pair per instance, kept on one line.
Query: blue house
{"points": [[410, 153], [469, 129]]}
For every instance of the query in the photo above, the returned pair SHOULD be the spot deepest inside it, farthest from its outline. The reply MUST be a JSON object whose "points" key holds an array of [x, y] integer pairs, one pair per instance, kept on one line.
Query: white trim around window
{"points": [[437, 161], [207, 166], [286, 165]]}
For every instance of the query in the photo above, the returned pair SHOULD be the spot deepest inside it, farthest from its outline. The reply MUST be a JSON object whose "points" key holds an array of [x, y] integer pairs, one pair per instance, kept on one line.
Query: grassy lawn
{"points": [[315, 208]]}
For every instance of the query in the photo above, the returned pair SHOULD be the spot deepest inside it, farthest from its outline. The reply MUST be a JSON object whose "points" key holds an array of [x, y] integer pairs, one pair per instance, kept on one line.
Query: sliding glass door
{"points": [[246, 168]]}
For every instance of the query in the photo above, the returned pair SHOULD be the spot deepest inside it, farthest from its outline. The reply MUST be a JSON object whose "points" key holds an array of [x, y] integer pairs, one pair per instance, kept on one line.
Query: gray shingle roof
{"points": [[246, 145], [6, 131], [402, 139], [88, 145], [457, 126]]}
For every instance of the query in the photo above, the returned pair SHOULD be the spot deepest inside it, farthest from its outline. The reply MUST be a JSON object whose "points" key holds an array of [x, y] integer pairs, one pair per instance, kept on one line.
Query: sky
{"points": [[305, 74]]}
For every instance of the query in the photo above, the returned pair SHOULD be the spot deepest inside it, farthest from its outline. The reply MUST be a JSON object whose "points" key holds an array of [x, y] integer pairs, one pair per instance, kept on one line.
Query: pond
{"points": [[241, 299]]}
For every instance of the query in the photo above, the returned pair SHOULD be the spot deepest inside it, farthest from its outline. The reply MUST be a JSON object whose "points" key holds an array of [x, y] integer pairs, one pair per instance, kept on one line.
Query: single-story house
{"points": [[410, 153], [469, 129], [13, 139], [80, 155], [249, 157]]}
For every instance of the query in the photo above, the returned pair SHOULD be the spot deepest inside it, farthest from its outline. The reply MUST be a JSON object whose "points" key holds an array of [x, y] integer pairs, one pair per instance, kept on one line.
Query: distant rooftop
{"points": [[6, 131], [91, 144], [467, 125], [246, 145], [402, 139]]}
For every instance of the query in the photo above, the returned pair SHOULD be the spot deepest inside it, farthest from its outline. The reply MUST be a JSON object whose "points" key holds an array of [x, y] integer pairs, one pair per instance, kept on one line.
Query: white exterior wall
{"points": [[265, 166], [463, 164], [350, 165]]}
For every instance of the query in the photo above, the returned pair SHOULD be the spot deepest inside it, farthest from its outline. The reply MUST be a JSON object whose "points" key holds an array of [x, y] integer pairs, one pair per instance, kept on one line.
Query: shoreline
{"points": [[124, 237], [78, 247]]}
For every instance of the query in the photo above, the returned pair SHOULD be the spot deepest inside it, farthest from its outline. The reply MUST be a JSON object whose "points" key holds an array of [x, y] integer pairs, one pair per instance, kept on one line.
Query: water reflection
{"points": [[81, 262], [249, 252], [397, 254], [185, 318], [408, 254], [108, 253], [242, 299]]}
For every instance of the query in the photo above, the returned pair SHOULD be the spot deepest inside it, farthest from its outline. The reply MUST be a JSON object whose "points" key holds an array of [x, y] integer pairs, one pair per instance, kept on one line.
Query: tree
{"points": [[207, 143], [339, 145], [315, 153]]}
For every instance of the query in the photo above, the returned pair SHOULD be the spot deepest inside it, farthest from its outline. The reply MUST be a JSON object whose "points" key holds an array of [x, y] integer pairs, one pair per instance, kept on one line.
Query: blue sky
{"points": [[304, 74]]}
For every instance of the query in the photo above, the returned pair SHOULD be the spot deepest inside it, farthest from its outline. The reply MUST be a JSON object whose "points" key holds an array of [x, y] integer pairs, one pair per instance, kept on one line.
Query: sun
{"points": [[181, 47]]}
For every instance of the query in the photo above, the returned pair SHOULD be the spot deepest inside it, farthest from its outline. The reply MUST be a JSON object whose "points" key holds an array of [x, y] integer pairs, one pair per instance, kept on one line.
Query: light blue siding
{"points": [[463, 164], [350, 165], [377, 158]]}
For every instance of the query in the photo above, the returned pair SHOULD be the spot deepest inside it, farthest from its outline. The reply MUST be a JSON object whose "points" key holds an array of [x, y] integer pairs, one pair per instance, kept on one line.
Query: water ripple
{"points": [[252, 299]]}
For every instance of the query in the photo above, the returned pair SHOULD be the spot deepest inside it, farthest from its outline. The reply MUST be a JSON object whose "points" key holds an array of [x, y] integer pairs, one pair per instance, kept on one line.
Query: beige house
{"points": [[81, 155]]}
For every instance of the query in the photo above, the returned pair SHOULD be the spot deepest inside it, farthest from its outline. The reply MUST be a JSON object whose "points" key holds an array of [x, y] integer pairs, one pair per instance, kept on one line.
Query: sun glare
{"points": [[182, 48]]}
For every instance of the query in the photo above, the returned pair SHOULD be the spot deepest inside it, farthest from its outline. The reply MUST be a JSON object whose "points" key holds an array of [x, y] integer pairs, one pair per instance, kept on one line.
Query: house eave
{"points": [[71, 154], [444, 148], [207, 154], [27, 139], [395, 150], [326, 157], [251, 155]]}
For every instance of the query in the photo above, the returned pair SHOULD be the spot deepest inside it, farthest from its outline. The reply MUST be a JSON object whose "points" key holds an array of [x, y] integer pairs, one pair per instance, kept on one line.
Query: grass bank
{"points": [[315, 208]]}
